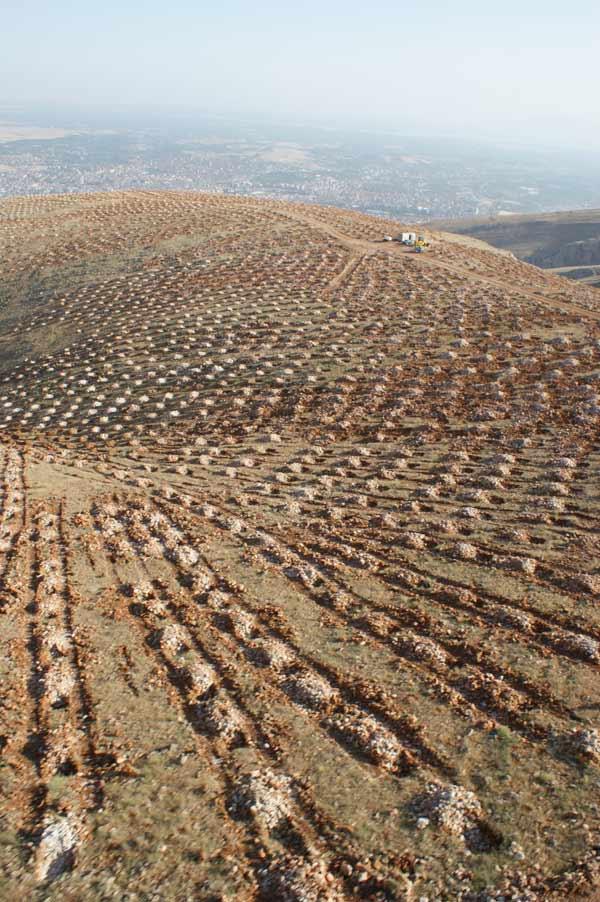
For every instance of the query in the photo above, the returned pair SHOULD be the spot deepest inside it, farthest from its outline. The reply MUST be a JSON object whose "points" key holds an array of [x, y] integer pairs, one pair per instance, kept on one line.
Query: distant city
{"points": [[410, 178]]}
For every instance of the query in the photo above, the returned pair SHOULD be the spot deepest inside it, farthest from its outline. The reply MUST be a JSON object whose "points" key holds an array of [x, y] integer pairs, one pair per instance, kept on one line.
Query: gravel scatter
{"points": [[295, 879], [451, 808], [56, 850], [264, 795]]}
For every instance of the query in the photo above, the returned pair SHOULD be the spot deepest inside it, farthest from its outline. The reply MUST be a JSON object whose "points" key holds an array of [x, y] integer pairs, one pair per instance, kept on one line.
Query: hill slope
{"points": [[566, 243], [299, 550]]}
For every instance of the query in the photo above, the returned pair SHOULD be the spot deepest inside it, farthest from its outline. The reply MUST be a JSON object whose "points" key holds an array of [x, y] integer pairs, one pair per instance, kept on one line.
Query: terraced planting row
{"points": [[299, 559]]}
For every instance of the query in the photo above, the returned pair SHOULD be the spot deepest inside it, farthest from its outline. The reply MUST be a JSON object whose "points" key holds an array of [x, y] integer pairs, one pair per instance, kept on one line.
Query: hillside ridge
{"points": [[299, 558]]}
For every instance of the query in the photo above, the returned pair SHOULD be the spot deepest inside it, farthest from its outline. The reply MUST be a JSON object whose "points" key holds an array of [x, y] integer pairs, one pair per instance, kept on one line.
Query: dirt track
{"points": [[376, 246]]}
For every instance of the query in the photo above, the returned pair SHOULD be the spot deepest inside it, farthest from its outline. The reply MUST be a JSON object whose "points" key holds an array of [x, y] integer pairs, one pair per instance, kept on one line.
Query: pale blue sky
{"points": [[519, 70]]}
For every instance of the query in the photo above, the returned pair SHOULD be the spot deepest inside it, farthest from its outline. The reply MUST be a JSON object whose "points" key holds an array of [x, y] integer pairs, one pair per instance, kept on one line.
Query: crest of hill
{"points": [[172, 307]]}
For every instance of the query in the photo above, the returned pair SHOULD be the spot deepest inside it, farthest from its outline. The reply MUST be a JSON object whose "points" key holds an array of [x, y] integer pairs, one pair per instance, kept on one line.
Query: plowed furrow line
{"points": [[406, 729], [488, 555], [369, 737], [226, 626], [185, 684], [4, 452], [209, 697], [327, 568], [18, 709], [513, 626], [456, 698], [542, 620], [13, 518], [441, 674], [85, 707], [201, 625], [61, 743], [444, 506], [313, 686], [478, 692]]}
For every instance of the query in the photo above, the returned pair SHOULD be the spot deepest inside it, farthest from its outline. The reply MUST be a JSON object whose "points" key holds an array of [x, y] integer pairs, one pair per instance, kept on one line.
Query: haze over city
{"points": [[509, 71]]}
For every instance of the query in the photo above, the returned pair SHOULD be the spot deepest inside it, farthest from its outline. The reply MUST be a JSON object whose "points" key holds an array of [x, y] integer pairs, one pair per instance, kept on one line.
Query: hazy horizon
{"points": [[502, 74]]}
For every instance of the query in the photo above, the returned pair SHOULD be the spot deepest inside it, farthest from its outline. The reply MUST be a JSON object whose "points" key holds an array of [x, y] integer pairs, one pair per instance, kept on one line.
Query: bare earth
{"points": [[299, 559]]}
